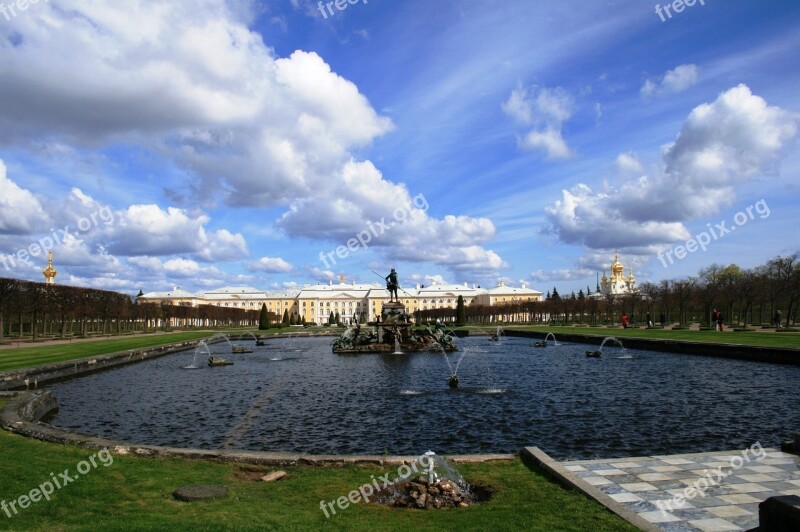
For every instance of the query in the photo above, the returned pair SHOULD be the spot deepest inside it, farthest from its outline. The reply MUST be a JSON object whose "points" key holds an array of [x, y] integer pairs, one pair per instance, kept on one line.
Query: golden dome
{"points": [[50, 272], [617, 267]]}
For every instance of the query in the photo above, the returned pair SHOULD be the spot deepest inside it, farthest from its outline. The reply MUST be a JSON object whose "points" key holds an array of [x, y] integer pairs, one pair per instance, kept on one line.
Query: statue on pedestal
{"points": [[392, 285]]}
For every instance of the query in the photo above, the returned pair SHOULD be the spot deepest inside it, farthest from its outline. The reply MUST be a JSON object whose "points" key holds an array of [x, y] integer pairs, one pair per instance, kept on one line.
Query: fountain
{"points": [[544, 342], [393, 332], [497, 334], [397, 349], [453, 381], [438, 485], [201, 346], [598, 352]]}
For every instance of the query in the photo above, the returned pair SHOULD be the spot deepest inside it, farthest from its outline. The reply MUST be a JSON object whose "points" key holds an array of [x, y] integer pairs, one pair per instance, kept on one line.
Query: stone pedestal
{"points": [[393, 312]]}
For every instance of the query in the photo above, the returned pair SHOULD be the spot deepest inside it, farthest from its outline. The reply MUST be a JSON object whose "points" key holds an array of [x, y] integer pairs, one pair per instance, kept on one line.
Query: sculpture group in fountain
{"points": [[394, 328]]}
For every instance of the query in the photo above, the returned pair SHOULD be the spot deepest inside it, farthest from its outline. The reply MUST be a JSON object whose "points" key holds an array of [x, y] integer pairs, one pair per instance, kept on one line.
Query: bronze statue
{"points": [[392, 285]]}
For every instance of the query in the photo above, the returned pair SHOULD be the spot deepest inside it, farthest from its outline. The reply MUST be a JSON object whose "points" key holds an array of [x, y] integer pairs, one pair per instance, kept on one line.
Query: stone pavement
{"points": [[695, 492]]}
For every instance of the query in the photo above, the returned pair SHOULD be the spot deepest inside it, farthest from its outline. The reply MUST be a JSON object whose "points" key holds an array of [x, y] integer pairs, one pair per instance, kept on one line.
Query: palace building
{"points": [[315, 303]]}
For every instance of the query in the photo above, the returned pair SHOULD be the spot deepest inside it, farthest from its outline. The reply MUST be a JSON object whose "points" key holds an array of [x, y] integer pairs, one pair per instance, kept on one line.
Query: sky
{"points": [[153, 144]]}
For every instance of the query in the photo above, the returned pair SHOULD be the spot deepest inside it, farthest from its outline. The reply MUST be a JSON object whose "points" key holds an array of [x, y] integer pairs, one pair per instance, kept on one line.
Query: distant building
{"points": [[617, 284], [315, 303]]}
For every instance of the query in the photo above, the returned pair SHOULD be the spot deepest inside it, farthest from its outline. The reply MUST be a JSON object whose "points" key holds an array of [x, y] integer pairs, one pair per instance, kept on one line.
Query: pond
{"points": [[295, 395]]}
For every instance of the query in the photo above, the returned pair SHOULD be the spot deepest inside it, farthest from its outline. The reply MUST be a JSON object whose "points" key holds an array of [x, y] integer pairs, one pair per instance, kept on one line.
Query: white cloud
{"points": [[736, 138], [182, 268], [628, 163], [151, 230], [549, 141], [271, 265], [196, 87], [364, 200], [20, 211], [674, 81], [547, 109]]}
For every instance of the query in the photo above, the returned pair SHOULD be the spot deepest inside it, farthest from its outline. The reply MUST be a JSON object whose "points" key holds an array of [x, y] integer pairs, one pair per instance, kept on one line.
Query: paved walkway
{"points": [[705, 492]]}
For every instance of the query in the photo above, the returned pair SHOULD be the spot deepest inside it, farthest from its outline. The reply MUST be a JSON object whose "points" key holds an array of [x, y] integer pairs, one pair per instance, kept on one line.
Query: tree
{"points": [[461, 312], [285, 318], [331, 319], [8, 292], [263, 318], [338, 319]]}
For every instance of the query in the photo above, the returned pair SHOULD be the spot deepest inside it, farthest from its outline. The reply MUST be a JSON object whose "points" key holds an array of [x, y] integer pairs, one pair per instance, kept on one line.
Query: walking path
{"points": [[13, 343], [706, 492]]}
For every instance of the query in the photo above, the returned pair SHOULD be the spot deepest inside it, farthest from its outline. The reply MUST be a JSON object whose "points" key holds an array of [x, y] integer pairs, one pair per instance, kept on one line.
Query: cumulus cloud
{"points": [[736, 138], [361, 202], [151, 230], [674, 81], [196, 87], [271, 265], [628, 163], [20, 210], [546, 109]]}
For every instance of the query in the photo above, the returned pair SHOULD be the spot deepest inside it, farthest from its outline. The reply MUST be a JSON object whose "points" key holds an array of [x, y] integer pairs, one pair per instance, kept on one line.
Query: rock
{"points": [[272, 477], [422, 500], [122, 451], [463, 505]]}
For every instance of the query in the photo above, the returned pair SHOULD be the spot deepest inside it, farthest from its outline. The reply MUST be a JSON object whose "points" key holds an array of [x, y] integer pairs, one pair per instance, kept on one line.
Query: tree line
{"points": [[745, 297], [35, 310]]}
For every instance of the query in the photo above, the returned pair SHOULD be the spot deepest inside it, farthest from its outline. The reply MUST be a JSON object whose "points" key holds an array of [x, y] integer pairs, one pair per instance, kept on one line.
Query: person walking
{"points": [[715, 319], [719, 321], [649, 321], [777, 319], [625, 320]]}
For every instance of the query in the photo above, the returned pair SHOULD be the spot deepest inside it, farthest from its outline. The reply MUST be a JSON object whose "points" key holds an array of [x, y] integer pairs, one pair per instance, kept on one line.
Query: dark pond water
{"points": [[295, 395]]}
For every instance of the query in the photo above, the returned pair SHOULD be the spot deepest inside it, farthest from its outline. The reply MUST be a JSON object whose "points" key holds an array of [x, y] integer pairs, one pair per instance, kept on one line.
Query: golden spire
{"points": [[50, 272], [631, 278]]}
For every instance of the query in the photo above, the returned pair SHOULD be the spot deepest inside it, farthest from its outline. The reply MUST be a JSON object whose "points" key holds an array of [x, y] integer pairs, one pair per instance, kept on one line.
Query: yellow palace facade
{"points": [[315, 303]]}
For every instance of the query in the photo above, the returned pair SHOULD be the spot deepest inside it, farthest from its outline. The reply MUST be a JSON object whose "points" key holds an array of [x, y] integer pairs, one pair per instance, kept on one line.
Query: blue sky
{"points": [[240, 143]]}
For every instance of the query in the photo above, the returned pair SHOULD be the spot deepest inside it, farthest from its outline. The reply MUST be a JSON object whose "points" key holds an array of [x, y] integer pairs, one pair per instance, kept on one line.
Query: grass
{"points": [[758, 339], [28, 357], [134, 493]]}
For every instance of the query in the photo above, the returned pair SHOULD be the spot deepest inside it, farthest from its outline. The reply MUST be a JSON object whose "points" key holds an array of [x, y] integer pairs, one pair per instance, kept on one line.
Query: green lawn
{"points": [[765, 339], [134, 493], [28, 357]]}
